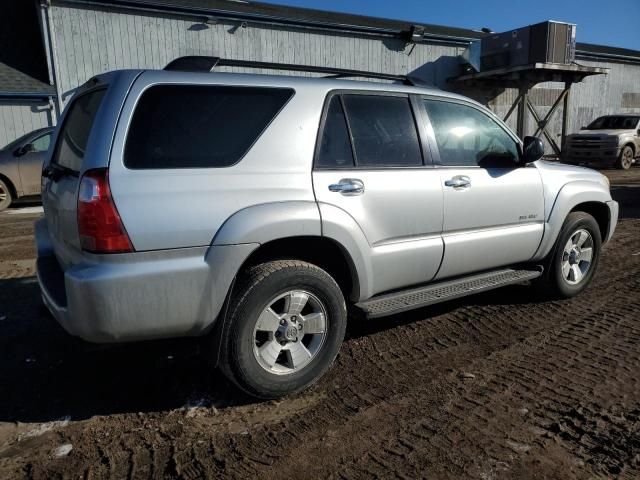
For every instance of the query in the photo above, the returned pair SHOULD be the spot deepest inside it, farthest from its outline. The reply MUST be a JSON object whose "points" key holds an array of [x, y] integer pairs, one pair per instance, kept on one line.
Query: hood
{"points": [[560, 173], [604, 133]]}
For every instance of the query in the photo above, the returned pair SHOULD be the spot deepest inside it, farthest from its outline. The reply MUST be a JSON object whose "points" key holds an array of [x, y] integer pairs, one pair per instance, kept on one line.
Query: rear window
{"points": [[177, 126], [75, 130]]}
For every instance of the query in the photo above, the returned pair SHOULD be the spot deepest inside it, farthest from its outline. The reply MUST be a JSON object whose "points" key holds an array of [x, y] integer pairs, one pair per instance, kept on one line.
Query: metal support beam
{"points": [[551, 141], [521, 127], [513, 107], [565, 113], [545, 121]]}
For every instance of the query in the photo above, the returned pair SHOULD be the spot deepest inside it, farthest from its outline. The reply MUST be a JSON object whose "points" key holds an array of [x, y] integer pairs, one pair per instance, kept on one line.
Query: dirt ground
{"points": [[498, 385]]}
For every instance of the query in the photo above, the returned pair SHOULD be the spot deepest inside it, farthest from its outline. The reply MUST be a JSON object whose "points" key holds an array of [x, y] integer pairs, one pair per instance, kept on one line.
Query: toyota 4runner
{"points": [[251, 209]]}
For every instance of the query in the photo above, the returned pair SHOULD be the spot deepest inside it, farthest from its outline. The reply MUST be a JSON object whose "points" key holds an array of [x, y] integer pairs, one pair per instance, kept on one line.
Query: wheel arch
{"points": [[323, 252], [575, 196], [599, 211], [9, 183]]}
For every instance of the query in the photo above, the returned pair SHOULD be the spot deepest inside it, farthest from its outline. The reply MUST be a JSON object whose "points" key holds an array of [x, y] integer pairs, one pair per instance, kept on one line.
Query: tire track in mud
{"points": [[497, 385]]}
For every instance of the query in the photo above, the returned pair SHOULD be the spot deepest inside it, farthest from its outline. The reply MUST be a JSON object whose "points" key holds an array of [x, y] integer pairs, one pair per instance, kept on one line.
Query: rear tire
{"points": [[572, 263], [5, 196], [287, 321], [625, 160]]}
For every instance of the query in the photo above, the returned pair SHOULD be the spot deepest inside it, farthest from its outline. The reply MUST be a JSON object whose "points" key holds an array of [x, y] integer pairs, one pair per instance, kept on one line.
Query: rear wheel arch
{"points": [[320, 251]]}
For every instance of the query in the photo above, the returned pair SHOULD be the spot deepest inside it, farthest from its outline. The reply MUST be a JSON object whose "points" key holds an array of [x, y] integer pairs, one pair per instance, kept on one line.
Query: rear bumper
{"points": [[139, 296], [613, 219]]}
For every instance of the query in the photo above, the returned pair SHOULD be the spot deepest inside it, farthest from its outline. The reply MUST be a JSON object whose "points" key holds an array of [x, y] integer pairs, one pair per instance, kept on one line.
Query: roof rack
{"points": [[207, 64]]}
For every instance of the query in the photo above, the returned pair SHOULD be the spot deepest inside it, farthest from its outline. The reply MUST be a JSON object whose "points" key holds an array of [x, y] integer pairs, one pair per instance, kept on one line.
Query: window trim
{"points": [[425, 150], [203, 85], [432, 136]]}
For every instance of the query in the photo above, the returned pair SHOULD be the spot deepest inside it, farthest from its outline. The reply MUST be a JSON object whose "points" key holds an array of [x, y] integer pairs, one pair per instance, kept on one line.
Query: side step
{"points": [[390, 303]]}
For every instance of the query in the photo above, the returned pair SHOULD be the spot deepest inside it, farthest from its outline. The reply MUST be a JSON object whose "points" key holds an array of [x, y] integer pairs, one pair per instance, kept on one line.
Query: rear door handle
{"points": [[348, 187], [459, 181]]}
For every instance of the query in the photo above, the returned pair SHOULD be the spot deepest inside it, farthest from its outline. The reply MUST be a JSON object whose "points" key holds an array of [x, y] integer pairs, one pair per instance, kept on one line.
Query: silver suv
{"points": [[252, 209]]}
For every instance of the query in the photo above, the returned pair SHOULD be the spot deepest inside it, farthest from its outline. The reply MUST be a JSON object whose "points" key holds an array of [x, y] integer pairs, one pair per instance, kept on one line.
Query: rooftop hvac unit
{"points": [[546, 42]]}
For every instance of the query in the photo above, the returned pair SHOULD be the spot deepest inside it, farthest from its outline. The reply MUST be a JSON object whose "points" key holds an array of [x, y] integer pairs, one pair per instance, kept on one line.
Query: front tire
{"points": [[5, 196], [572, 263], [286, 324], [626, 158]]}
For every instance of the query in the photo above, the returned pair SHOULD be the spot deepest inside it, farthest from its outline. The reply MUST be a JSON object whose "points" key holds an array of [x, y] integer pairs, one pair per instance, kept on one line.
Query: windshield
{"points": [[618, 122], [17, 142]]}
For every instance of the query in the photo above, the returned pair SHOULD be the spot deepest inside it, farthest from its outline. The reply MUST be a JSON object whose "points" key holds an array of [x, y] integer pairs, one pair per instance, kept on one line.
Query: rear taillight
{"points": [[99, 225]]}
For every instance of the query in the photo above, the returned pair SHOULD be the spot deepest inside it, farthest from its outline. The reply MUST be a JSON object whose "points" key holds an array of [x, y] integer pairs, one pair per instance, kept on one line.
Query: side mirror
{"points": [[532, 149], [20, 151]]}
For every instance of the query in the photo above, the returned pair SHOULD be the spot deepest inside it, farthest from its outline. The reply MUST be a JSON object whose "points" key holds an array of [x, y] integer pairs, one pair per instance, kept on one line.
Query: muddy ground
{"points": [[498, 385]]}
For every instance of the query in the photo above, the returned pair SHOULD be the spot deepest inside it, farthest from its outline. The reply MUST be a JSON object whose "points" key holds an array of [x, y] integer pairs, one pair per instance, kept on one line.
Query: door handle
{"points": [[348, 187], [459, 181]]}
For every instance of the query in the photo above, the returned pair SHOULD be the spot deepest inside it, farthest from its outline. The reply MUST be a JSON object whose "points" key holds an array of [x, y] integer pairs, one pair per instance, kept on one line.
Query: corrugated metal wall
{"points": [[18, 117], [93, 40]]}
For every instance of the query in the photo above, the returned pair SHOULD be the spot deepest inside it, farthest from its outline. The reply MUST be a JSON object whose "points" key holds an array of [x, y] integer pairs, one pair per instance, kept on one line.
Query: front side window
{"points": [[467, 137], [193, 126], [41, 144], [383, 130]]}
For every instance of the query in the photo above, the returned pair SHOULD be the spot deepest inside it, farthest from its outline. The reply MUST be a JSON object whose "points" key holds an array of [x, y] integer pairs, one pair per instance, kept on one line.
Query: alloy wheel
{"points": [[577, 256], [290, 332]]}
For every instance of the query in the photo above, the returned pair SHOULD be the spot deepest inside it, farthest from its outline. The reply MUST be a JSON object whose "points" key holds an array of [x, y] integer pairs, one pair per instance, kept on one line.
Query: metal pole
{"points": [[513, 107], [50, 48], [565, 113], [522, 110]]}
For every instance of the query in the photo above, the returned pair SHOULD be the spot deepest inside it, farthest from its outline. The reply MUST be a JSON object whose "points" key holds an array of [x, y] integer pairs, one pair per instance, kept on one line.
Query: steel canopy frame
{"points": [[526, 77]]}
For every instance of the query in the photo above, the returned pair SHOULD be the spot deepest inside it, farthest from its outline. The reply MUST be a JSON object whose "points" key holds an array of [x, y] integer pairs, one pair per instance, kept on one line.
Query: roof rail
{"points": [[207, 64]]}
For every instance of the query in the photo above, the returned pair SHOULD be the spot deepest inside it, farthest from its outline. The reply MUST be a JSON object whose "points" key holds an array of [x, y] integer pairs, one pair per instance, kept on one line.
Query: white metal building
{"points": [[82, 38]]}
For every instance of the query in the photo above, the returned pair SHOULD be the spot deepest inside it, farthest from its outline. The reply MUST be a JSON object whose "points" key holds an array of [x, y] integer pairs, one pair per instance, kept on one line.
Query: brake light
{"points": [[99, 225]]}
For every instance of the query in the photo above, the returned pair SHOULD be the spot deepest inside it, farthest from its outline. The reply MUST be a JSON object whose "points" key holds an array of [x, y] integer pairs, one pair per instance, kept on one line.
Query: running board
{"points": [[391, 303]]}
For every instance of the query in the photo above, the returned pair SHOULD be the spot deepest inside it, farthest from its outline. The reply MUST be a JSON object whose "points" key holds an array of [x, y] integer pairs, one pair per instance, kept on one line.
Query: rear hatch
{"points": [[62, 175]]}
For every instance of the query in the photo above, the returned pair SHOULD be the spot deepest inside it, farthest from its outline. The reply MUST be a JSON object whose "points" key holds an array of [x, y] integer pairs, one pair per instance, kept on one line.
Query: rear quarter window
{"points": [[74, 132], [178, 126]]}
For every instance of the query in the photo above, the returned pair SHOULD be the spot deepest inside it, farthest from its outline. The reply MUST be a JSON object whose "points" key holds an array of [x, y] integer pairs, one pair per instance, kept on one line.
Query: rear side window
{"points": [[384, 131], [75, 130], [177, 126], [335, 146]]}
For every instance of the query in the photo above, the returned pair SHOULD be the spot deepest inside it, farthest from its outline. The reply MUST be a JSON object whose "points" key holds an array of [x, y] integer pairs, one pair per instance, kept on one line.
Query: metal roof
{"points": [[14, 83], [319, 19]]}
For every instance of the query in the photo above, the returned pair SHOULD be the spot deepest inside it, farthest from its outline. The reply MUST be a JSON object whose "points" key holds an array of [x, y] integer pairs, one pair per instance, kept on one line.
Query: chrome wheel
{"points": [[627, 158], [290, 332], [577, 257]]}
